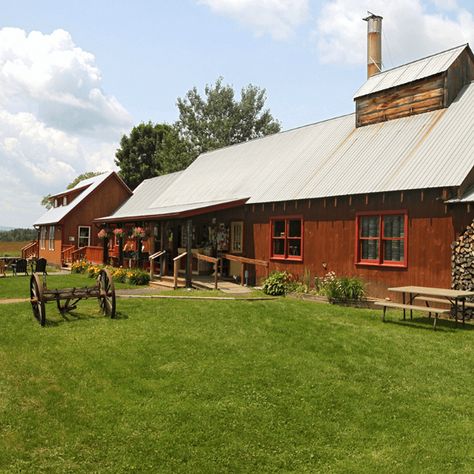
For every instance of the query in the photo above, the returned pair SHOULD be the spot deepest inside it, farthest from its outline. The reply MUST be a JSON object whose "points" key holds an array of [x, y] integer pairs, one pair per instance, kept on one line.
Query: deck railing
{"points": [[246, 261], [214, 261], [91, 253], [66, 253], [161, 254], [30, 250], [176, 261]]}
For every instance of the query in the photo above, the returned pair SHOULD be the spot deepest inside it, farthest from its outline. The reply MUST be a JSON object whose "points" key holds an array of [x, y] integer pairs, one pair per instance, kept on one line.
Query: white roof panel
{"points": [[410, 72]]}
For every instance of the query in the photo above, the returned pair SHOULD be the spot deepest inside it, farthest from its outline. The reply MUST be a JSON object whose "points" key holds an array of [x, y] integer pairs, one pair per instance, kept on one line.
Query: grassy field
{"points": [[233, 386], [11, 249]]}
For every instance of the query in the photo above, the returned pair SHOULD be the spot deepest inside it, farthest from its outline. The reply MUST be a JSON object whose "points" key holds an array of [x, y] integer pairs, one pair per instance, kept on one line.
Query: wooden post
{"points": [[152, 268], [189, 256], [105, 254], [242, 273], [120, 255], [216, 270], [175, 274]]}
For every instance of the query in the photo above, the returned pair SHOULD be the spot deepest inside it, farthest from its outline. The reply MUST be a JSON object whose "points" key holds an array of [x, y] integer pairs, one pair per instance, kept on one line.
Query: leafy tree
{"points": [[82, 177], [219, 120], [151, 150], [46, 201], [18, 235]]}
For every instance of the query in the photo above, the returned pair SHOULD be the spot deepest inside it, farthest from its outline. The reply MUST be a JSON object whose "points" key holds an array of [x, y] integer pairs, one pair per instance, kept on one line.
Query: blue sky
{"points": [[64, 106]]}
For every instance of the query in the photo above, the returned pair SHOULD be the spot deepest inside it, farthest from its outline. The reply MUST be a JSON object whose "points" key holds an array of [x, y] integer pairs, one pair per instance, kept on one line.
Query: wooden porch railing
{"points": [[161, 255], [176, 261], [66, 253], [215, 261], [30, 250], [246, 261], [91, 253]]}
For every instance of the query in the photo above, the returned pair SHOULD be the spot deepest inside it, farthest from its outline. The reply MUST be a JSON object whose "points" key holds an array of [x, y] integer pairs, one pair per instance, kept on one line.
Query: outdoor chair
{"points": [[41, 266], [21, 266]]}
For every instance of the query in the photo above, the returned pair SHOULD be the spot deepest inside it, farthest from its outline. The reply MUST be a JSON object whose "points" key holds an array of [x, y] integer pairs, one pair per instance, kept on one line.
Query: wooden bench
{"points": [[467, 304], [426, 309]]}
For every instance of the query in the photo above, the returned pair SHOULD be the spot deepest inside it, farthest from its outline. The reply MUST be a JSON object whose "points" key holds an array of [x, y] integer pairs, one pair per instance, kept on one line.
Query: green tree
{"points": [[82, 177], [219, 120], [151, 150]]}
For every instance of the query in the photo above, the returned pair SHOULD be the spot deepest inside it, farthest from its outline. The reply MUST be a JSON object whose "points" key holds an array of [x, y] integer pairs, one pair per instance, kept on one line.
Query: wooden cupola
{"points": [[421, 86]]}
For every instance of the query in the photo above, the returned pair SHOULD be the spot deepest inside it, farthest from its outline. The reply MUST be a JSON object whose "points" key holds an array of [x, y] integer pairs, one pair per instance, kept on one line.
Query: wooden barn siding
{"points": [[329, 236], [102, 202], [458, 75], [419, 97]]}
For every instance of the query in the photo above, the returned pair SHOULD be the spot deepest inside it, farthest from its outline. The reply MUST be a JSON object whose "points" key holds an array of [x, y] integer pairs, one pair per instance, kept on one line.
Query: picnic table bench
{"points": [[455, 299]]}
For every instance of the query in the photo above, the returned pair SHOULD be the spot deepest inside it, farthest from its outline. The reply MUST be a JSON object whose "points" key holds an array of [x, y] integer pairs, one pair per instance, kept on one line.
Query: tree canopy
{"points": [[218, 119], [205, 123], [150, 150], [82, 177]]}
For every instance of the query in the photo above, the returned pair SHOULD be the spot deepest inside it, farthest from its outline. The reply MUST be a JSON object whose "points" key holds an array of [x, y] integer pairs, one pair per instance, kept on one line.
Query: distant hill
{"points": [[5, 228], [17, 235]]}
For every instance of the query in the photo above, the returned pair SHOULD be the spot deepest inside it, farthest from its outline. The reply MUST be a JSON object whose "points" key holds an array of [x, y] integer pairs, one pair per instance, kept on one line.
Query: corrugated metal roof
{"points": [[410, 72], [145, 194], [330, 158], [56, 214]]}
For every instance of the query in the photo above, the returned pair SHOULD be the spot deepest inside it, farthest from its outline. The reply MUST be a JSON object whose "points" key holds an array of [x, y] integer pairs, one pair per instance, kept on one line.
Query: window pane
{"points": [[369, 249], [393, 226], [294, 248], [294, 229], [369, 226], [278, 228], [278, 247], [394, 250]]}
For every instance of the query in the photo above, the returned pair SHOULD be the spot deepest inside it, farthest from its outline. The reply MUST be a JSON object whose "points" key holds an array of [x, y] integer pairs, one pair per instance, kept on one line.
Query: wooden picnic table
{"points": [[455, 298]]}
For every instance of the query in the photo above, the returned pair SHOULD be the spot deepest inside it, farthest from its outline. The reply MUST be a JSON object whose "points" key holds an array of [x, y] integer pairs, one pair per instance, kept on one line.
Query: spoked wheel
{"points": [[106, 293], [36, 298]]}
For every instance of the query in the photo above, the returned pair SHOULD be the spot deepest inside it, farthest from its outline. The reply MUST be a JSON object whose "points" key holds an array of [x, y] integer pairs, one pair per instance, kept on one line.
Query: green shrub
{"points": [[276, 284], [119, 274], [138, 277], [341, 289]]}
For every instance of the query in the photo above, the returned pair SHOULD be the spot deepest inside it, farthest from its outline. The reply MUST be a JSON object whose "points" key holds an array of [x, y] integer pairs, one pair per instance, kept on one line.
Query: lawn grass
{"points": [[233, 386], [19, 286]]}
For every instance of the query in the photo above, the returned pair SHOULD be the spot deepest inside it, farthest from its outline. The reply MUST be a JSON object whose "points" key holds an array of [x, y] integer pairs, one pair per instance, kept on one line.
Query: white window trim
{"points": [[79, 235], [233, 225], [52, 231], [64, 200], [43, 237]]}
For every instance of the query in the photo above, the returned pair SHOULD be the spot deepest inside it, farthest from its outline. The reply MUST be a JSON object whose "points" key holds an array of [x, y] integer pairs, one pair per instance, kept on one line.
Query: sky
{"points": [[77, 75]]}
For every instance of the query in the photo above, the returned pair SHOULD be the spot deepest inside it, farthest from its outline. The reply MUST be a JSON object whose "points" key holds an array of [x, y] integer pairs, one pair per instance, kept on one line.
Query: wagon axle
{"points": [[104, 291]]}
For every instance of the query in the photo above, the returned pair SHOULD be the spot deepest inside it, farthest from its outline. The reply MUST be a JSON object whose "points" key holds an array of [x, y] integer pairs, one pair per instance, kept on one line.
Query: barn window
{"points": [[43, 237], [51, 238], [236, 236], [84, 237], [64, 200], [381, 238], [287, 238]]}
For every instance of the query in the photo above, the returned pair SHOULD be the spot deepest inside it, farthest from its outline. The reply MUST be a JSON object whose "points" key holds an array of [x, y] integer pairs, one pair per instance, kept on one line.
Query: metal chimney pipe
{"points": [[374, 44]]}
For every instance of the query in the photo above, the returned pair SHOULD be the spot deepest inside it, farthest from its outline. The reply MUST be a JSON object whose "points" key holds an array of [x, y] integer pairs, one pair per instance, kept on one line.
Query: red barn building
{"points": [[380, 194], [69, 225]]}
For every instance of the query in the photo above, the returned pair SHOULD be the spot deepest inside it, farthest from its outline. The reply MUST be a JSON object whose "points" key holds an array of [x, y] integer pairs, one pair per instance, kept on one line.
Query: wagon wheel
{"points": [[36, 298], [106, 293]]}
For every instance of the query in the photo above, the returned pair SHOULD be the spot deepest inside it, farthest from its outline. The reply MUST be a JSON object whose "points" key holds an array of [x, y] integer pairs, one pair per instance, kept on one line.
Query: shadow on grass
{"points": [[74, 316], [425, 323]]}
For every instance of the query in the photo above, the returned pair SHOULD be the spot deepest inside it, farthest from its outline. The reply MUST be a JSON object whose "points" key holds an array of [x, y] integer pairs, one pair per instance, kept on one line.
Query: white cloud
{"points": [[55, 120], [411, 29], [279, 18]]}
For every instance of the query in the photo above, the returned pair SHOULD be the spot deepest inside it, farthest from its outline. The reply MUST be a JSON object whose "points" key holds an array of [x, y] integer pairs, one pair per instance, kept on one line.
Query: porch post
{"points": [[189, 256], [105, 253], [120, 255]]}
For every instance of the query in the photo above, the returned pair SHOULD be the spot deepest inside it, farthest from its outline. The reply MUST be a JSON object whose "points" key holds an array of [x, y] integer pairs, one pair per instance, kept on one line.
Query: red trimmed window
{"points": [[382, 238], [287, 238]]}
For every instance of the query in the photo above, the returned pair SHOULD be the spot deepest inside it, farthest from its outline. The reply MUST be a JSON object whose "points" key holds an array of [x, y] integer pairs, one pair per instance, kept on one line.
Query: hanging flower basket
{"points": [[138, 232], [103, 234], [119, 233]]}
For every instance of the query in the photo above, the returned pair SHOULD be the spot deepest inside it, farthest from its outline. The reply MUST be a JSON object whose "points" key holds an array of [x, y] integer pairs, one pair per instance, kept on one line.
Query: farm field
{"points": [[233, 386], [11, 249]]}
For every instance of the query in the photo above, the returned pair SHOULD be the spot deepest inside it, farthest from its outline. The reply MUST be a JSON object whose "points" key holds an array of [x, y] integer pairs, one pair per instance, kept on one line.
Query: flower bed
{"points": [[133, 276]]}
